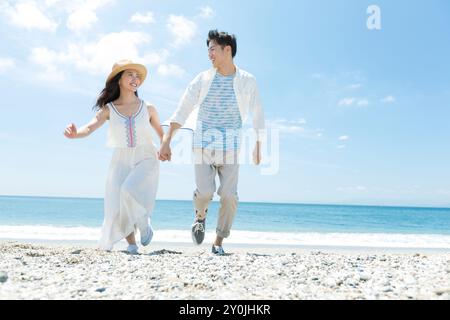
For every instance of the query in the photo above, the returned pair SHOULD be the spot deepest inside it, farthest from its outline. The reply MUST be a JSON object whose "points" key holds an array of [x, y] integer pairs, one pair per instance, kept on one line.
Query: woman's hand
{"points": [[71, 131], [165, 154], [96, 122]]}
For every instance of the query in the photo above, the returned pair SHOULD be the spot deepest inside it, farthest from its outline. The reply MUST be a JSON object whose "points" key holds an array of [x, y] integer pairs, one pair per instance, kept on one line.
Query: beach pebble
{"points": [[332, 283], [364, 277], [195, 274], [442, 291], [76, 251], [387, 289], [352, 282], [3, 276]]}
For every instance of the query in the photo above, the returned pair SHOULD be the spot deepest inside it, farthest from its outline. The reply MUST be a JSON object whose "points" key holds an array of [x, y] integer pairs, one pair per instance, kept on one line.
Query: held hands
{"points": [[165, 154], [71, 131]]}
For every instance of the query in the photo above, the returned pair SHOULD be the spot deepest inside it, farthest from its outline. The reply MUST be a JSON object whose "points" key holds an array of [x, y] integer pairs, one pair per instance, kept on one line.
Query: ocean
{"points": [[80, 219]]}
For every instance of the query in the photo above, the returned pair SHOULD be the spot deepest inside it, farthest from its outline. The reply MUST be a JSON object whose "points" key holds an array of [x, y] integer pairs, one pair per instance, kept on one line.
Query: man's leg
{"points": [[228, 175], [205, 173]]}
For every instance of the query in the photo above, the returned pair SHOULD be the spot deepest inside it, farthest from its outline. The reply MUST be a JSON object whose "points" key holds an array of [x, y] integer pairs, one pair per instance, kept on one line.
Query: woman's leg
{"points": [[138, 193], [130, 238]]}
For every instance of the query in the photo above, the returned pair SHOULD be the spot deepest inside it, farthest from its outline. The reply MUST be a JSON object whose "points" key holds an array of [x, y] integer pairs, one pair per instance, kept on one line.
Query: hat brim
{"points": [[136, 66]]}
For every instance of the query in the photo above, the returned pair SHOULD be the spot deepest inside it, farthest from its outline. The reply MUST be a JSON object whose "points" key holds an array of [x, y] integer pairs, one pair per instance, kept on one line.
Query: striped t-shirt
{"points": [[219, 120]]}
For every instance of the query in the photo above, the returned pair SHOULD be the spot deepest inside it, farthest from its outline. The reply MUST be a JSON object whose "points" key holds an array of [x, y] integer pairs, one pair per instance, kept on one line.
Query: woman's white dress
{"points": [[133, 175]]}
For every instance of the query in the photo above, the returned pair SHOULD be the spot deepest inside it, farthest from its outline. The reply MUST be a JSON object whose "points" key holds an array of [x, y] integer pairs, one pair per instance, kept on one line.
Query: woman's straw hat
{"points": [[122, 65]]}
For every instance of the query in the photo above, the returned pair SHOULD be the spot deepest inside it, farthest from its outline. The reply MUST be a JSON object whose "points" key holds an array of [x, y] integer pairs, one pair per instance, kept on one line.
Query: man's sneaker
{"points": [[218, 250], [198, 231], [132, 249], [147, 236]]}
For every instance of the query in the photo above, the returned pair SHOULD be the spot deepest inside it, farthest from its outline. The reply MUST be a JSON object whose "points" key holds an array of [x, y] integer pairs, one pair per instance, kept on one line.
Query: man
{"points": [[217, 101]]}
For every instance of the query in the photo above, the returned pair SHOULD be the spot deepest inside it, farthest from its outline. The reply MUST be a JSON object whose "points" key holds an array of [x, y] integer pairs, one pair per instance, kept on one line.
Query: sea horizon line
{"points": [[250, 202]]}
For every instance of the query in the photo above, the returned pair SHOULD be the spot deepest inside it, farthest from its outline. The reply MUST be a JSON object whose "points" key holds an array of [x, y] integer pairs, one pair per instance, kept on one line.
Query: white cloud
{"points": [[343, 138], [288, 125], [293, 127], [171, 70], [353, 101], [50, 3], [207, 12], [51, 75], [81, 19], [388, 99], [6, 63], [83, 14], [27, 15], [155, 58], [146, 18], [181, 28], [32, 14], [49, 60], [98, 57], [95, 57], [346, 101], [44, 56]]}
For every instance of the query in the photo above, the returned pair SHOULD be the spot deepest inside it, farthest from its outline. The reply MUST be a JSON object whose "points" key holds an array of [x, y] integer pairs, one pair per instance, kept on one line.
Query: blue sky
{"points": [[362, 114]]}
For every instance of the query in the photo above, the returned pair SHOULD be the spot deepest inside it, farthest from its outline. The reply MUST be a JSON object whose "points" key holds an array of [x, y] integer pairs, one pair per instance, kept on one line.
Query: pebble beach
{"points": [[166, 271]]}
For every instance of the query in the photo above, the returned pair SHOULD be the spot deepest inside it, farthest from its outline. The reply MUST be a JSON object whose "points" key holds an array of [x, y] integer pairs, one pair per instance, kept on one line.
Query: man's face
{"points": [[216, 53]]}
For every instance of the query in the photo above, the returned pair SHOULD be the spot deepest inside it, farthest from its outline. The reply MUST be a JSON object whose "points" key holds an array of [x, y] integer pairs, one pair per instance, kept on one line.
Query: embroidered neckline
{"points": [[128, 117]]}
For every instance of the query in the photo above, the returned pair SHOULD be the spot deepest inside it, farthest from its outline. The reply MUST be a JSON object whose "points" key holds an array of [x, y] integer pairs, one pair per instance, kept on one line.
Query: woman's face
{"points": [[130, 80]]}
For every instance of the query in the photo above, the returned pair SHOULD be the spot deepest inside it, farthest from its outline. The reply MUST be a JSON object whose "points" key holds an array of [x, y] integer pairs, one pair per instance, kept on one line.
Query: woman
{"points": [[134, 170]]}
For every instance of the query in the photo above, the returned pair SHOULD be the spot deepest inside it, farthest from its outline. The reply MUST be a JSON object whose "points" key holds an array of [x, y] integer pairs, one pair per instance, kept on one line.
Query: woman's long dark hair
{"points": [[110, 93]]}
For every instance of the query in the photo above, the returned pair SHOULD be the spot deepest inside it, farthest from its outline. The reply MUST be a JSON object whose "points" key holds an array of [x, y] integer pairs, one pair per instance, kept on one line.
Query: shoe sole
{"points": [[194, 239], [216, 253]]}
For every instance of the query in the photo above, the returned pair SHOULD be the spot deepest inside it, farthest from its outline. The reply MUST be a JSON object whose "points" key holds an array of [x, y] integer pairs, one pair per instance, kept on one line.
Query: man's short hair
{"points": [[223, 39]]}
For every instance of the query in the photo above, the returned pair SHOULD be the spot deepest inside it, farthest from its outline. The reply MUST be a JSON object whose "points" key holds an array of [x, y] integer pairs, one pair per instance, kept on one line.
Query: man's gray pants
{"points": [[208, 164]]}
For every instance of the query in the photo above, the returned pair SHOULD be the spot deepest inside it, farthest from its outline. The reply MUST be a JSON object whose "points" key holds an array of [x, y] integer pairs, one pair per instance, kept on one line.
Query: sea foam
{"points": [[388, 240]]}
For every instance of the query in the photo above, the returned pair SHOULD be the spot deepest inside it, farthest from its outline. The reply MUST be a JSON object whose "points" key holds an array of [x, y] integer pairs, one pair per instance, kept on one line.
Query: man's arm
{"points": [[187, 102], [185, 107], [258, 122]]}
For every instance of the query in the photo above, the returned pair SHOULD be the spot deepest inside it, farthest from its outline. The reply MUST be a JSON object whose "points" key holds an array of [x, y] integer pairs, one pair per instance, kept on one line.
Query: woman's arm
{"points": [[101, 116], [155, 122]]}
